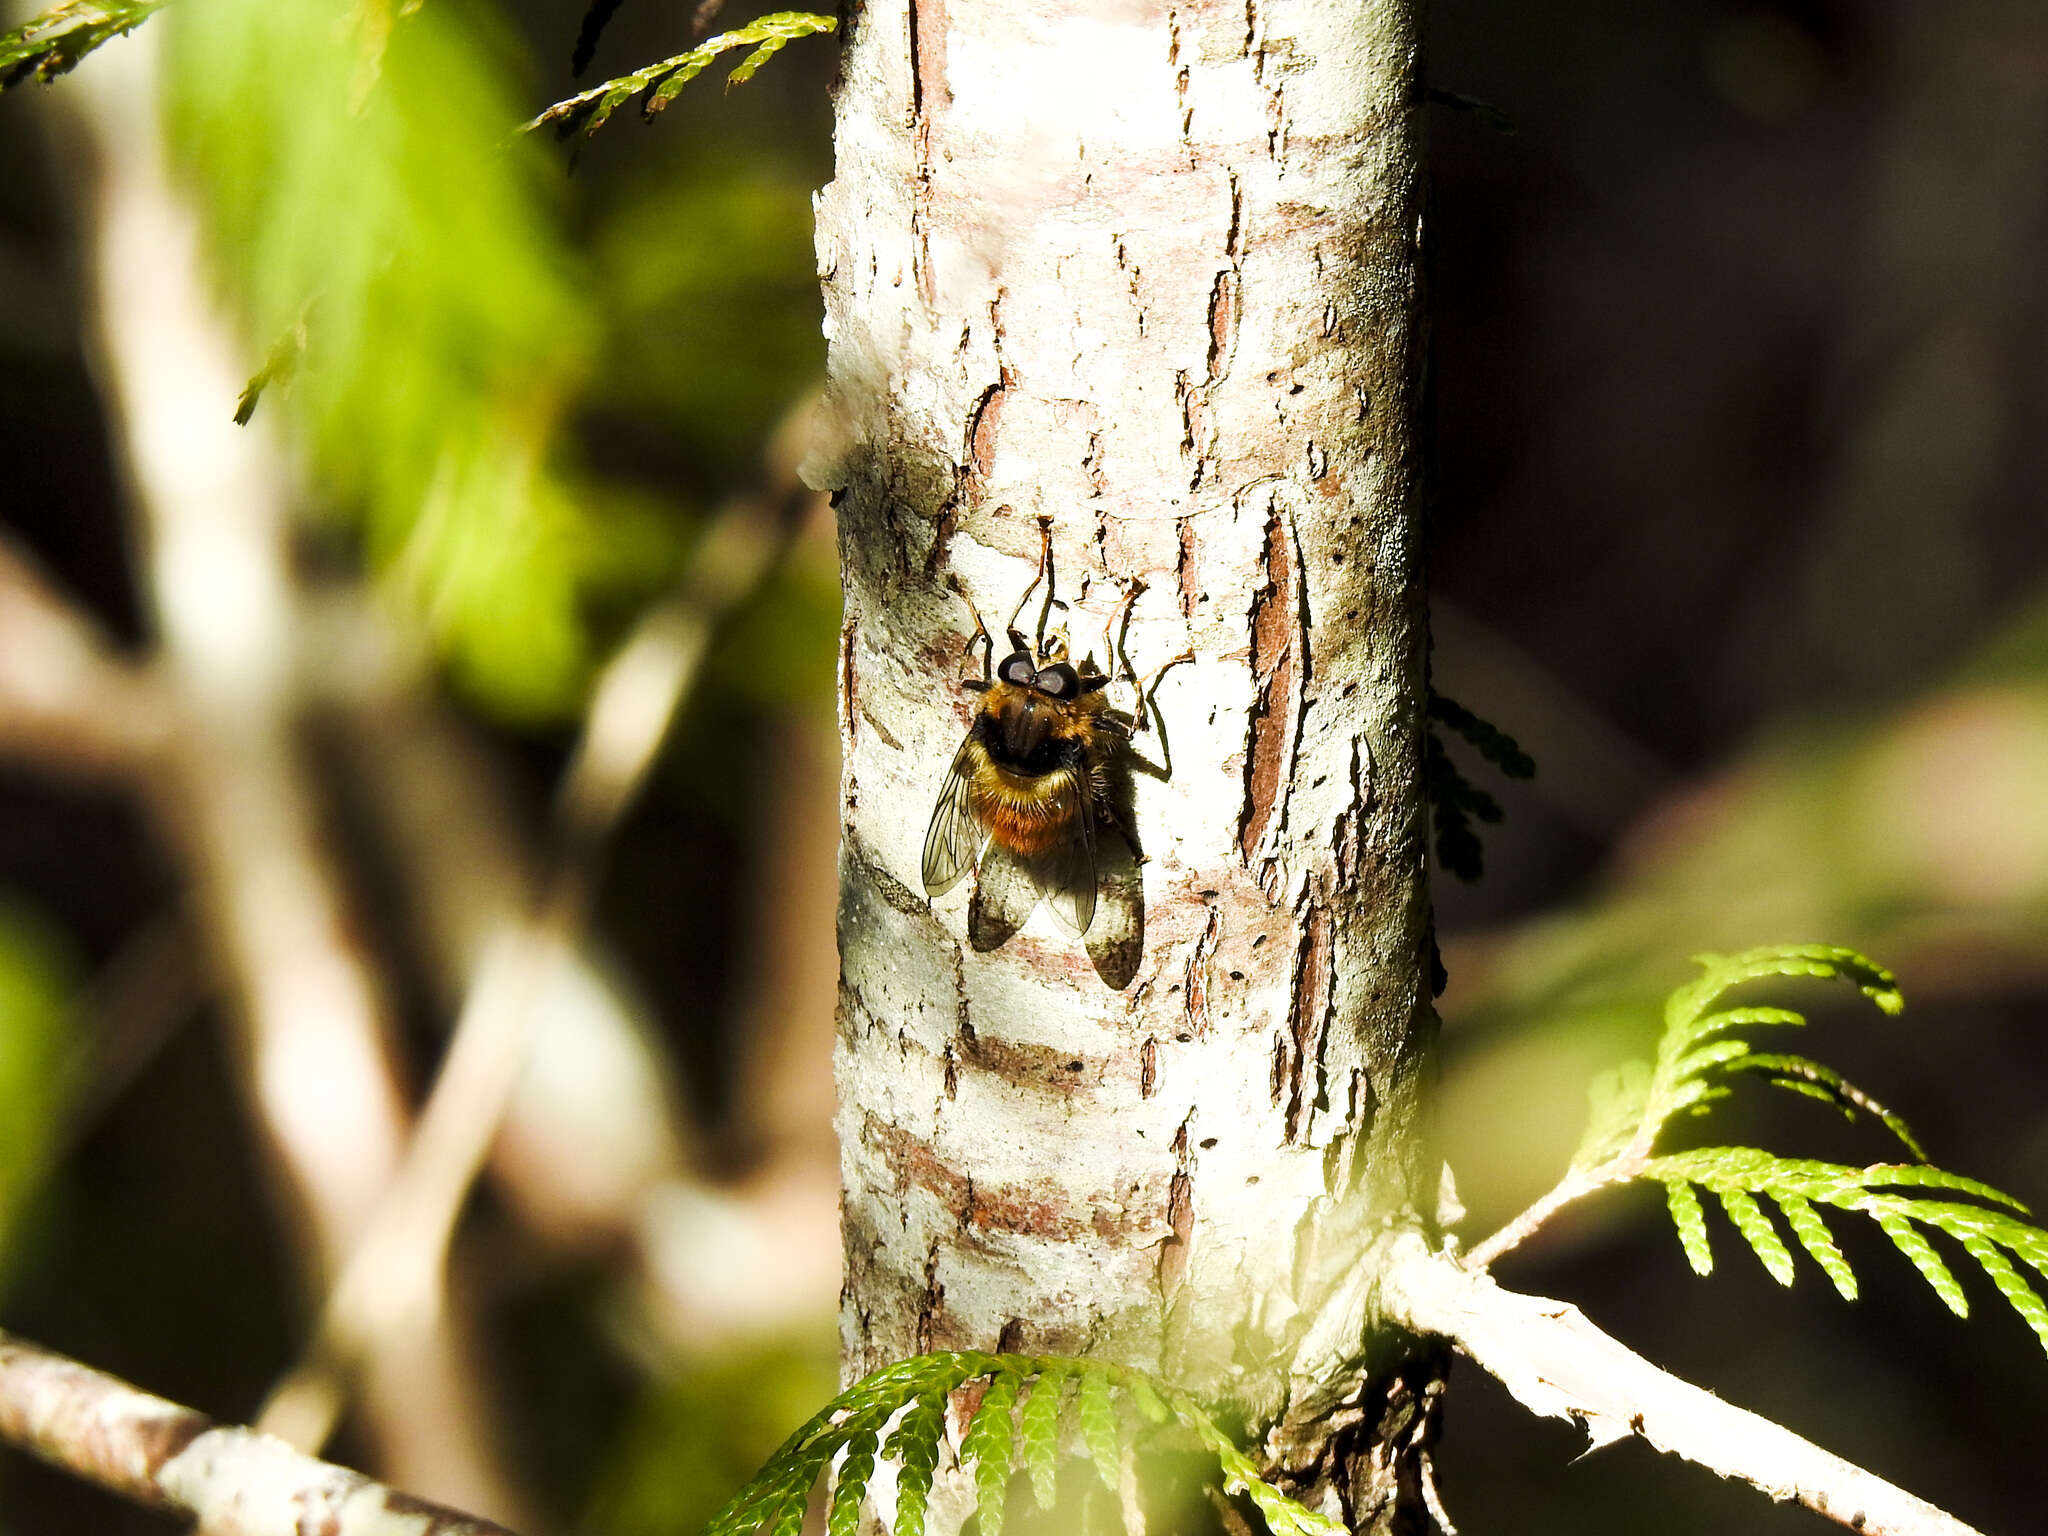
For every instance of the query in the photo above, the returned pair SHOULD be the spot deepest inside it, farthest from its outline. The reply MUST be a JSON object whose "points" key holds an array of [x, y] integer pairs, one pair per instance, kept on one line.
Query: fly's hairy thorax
{"points": [[1032, 759]]}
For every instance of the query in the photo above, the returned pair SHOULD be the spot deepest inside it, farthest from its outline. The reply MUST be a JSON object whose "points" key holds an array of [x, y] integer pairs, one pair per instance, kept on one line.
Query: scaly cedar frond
{"points": [[662, 83]]}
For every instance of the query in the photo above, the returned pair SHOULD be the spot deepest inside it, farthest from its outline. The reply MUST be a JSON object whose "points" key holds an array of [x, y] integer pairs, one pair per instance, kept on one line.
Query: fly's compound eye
{"points": [[1018, 670], [1059, 682]]}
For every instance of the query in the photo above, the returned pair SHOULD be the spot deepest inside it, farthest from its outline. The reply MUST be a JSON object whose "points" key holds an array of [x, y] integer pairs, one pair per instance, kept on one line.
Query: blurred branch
{"points": [[595, 1154], [67, 701], [211, 500], [232, 1482], [139, 1000], [1559, 1365], [393, 1277]]}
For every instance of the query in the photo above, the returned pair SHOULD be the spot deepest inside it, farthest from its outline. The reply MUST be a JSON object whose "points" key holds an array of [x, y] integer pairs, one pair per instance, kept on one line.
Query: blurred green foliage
{"points": [[702, 1433], [377, 204], [705, 263], [35, 979]]}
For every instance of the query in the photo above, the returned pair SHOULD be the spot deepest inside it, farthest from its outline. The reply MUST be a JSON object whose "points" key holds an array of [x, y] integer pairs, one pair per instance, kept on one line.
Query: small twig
{"points": [[230, 1481], [1567, 1189], [393, 1277], [1558, 1364], [68, 701]]}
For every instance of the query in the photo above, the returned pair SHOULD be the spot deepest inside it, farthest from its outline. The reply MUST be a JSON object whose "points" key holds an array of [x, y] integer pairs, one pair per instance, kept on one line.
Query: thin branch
{"points": [[393, 1277], [1558, 1364], [232, 1482], [68, 701], [1571, 1187]]}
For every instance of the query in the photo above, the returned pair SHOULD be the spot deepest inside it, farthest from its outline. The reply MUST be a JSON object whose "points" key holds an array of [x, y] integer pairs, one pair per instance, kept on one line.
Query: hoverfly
{"points": [[1026, 802]]}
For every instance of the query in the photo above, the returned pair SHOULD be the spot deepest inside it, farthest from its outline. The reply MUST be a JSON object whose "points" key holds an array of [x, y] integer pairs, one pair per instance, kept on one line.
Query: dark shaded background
{"points": [[1741, 337]]}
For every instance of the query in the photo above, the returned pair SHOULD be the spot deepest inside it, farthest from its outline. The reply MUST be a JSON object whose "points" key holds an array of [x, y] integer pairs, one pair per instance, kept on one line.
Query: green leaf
{"points": [[1691, 1222], [45, 46], [1824, 961], [1920, 1175], [787, 1518], [1619, 1097], [1714, 1054], [1920, 1253], [451, 333], [1814, 1237], [2011, 1285], [852, 1485], [590, 110], [988, 1445], [1800, 1075], [1098, 1428], [1148, 1400], [1038, 1431], [1284, 1516], [1754, 1225], [914, 1447]]}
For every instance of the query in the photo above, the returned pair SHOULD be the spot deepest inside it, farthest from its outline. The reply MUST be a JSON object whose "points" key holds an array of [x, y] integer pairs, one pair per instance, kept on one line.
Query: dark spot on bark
{"points": [[1198, 979], [1307, 1013], [1274, 627], [1148, 1068], [933, 1303], [943, 529], [1222, 321], [982, 426], [1180, 1219], [849, 705], [317, 1516], [163, 1438], [439, 1517], [1038, 1209], [1011, 1340], [1027, 1066], [867, 871]]}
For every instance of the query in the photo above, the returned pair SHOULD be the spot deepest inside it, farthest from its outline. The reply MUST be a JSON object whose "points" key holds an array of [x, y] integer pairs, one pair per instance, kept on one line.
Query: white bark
{"points": [[1148, 271], [1558, 1364], [232, 1482]]}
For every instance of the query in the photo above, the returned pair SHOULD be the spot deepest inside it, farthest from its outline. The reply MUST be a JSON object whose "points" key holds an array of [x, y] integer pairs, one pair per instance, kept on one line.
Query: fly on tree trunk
{"points": [[1037, 800]]}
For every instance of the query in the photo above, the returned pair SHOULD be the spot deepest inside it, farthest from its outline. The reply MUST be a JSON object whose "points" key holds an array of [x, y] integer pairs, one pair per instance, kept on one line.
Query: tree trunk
{"points": [[1149, 273]]}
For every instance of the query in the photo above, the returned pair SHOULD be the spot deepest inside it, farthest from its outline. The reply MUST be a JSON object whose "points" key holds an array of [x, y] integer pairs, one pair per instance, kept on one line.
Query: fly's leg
{"points": [[1018, 639], [1113, 636], [1147, 710], [1148, 707], [980, 637]]}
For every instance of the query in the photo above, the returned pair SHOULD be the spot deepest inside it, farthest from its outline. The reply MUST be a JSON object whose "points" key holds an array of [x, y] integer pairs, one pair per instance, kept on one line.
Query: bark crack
{"points": [[1279, 664], [1174, 1252], [1308, 1016]]}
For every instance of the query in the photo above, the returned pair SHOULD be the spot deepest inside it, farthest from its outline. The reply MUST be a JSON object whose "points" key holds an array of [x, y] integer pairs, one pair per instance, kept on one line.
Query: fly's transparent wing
{"points": [[955, 837], [1066, 874], [1116, 940], [1005, 890]]}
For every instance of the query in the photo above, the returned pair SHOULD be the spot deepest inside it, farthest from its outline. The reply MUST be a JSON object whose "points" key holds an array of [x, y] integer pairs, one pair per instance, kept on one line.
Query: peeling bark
{"points": [[1133, 269]]}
